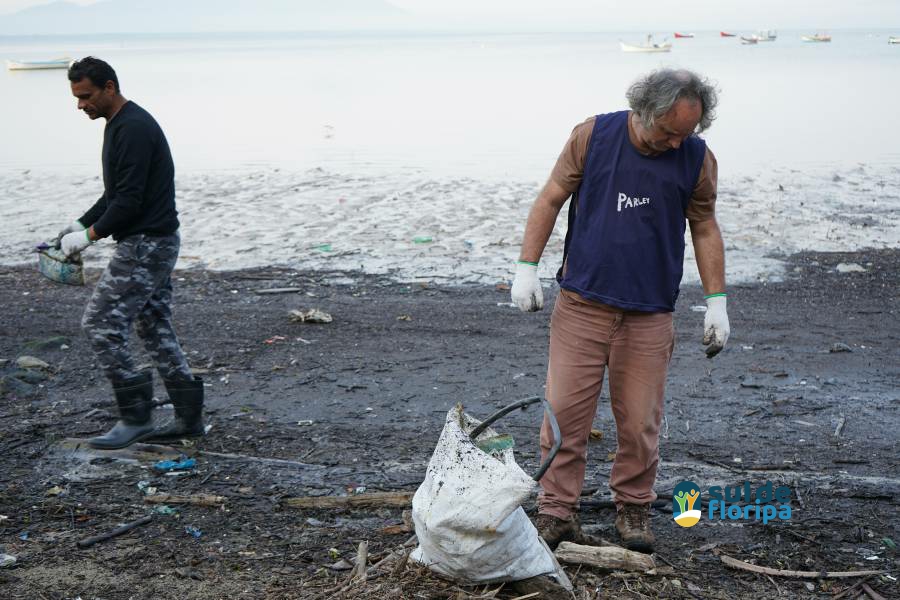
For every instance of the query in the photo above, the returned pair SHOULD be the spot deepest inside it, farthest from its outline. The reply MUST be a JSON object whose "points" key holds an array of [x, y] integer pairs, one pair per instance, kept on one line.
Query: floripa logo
{"points": [[765, 503], [684, 497]]}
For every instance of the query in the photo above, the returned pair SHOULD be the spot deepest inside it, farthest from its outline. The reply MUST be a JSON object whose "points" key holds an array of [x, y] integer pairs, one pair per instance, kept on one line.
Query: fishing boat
{"points": [[726, 34], [894, 40], [819, 37], [766, 35], [38, 65], [649, 46], [683, 35], [749, 40]]}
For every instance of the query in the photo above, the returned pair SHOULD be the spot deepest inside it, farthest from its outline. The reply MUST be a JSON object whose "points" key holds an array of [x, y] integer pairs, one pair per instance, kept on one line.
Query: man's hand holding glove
{"points": [[715, 325], [526, 288], [75, 241]]}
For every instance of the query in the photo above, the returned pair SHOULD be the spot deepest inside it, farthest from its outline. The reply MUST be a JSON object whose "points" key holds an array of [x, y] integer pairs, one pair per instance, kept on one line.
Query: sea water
{"points": [[345, 151]]}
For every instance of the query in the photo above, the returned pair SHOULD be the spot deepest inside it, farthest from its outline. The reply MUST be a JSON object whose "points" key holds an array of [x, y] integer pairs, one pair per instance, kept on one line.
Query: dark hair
{"points": [[98, 71]]}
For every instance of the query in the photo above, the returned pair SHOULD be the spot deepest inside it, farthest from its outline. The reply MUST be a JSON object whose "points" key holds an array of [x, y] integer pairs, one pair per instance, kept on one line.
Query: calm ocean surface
{"points": [[468, 105]]}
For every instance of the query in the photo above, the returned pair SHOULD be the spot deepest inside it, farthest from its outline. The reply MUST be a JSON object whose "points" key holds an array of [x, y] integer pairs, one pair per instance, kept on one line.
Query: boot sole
{"points": [[139, 438], [173, 438]]}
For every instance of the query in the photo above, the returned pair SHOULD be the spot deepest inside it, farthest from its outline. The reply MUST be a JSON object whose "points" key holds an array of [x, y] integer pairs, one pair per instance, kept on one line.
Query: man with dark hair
{"points": [[137, 209], [635, 178], [96, 70]]}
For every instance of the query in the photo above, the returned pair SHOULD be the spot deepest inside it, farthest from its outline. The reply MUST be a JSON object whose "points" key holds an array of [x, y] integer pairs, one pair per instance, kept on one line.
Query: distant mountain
{"points": [[171, 16]]}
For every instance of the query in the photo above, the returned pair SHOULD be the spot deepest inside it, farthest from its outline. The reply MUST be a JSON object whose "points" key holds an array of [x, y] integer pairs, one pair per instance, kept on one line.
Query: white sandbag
{"points": [[468, 515]]}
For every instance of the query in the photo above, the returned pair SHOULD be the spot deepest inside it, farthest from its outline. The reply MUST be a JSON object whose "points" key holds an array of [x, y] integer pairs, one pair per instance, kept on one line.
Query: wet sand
{"points": [[412, 225], [360, 402]]}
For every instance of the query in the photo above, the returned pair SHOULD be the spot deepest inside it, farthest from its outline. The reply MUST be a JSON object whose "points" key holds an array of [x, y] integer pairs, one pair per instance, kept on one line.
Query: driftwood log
{"points": [[745, 566], [195, 499], [373, 500], [606, 557]]}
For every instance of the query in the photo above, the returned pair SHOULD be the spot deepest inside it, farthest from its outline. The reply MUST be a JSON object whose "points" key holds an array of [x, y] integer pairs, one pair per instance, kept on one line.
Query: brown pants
{"points": [[585, 338]]}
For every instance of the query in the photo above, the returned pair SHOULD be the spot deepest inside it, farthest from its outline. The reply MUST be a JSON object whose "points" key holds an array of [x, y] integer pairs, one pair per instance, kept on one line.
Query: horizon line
{"points": [[486, 30]]}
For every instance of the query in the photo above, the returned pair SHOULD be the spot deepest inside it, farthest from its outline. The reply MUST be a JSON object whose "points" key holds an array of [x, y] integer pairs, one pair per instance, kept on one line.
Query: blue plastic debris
{"points": [[174, 465], [24, 536], [193, 531]]}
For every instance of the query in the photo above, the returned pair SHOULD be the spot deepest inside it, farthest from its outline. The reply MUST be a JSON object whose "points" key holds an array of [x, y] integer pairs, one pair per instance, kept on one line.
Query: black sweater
{"points": [[138, 179]]}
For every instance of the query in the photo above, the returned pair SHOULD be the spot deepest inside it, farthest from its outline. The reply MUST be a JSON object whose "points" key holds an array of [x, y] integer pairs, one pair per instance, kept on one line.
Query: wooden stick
{"points": [[286, 290], [373, 500], [195, 499], [362, 559], [259, 459], [406, 527], [597, 503], [777, 588], [739, 564], [358, 573], [840, 426], [402, 564], [851, 588], [390, 557], [88, 542], [395, 529], [606, 557], [715, 463], [875, 595]]}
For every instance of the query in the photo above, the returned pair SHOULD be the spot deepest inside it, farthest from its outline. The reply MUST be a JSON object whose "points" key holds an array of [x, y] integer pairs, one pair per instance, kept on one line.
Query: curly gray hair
{"points": [[653, 95]]}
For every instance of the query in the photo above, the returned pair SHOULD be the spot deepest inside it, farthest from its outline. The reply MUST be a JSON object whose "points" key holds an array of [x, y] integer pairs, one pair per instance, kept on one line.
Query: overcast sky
{"points": [[626, 14]]}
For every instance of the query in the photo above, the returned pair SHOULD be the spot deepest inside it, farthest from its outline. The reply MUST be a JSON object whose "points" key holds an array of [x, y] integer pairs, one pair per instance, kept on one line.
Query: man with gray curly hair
{"points": [[635, 177]]}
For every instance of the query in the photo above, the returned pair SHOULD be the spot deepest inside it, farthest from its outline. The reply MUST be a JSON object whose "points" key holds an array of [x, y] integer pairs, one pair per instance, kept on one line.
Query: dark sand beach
{"points": [[806, 395]]}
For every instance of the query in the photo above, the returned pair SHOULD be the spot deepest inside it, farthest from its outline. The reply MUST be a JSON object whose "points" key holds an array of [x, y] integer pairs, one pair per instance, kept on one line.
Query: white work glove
{"points": [[715, 325], [75, 226], [526, 288], [75, 242]]}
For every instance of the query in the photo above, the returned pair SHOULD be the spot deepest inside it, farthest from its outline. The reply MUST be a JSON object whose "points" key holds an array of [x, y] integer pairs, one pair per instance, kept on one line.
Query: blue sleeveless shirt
{"points": [[625, 243]]}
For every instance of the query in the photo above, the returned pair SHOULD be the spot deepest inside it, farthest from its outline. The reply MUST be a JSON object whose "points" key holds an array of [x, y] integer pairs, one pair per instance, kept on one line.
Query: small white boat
{"points": [[766, 35], [819, 37], [650, 46], [749, 40], [38, 65], [894, 40]]}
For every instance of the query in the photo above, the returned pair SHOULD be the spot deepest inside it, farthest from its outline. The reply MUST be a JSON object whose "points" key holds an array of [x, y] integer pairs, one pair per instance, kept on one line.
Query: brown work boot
{"points": [[555, 530], [633, 525]]}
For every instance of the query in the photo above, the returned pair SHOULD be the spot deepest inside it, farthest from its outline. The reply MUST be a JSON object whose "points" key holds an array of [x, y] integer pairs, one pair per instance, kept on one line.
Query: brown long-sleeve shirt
{"points": [[569, 170]]}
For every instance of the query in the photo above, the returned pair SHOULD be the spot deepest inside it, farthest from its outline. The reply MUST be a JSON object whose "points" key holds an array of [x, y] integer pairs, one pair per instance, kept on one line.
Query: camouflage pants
{"points": [[136, 287]]}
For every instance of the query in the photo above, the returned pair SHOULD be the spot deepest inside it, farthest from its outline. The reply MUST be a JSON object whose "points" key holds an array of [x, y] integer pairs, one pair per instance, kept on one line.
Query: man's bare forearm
{"points": [[541, 221], [709, 250]]}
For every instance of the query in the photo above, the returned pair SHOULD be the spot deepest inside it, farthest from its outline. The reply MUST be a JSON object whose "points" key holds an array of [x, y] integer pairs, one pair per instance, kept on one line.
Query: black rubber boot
{"points": [[187, 398], [135, 399]]}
